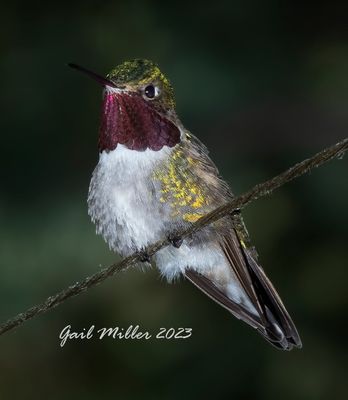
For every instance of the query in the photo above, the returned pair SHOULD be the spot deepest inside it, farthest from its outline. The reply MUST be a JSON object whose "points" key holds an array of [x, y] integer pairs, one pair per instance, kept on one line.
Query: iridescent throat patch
{"points": [[130, 120]]}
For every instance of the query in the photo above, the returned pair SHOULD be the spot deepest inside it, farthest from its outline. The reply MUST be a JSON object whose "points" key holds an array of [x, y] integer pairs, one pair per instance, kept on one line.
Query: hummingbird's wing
{"points": [[261, 291], [271, 318], [191, 187], [211, 290]]}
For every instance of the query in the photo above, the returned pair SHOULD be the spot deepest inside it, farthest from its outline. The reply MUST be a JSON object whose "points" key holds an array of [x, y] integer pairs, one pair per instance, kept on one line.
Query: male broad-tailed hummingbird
{"points": [[154, 178]]}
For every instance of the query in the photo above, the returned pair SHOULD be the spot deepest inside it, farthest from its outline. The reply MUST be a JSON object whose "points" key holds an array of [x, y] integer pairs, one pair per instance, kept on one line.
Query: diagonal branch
{"points": [[239, 202]]}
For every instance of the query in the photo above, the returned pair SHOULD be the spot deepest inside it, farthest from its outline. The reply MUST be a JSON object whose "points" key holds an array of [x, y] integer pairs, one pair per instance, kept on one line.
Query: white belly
{"points": [[128, 214], [123, 204], [122, 200]]}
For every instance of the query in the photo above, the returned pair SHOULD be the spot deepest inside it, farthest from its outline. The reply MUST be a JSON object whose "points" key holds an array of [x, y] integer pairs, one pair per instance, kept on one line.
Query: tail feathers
{"points": [[271, 320], [277, 335], [280, 322]]}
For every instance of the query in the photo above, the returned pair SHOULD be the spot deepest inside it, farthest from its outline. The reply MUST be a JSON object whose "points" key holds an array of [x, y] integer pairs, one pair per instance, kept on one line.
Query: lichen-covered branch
{"points": [[238, 202]]}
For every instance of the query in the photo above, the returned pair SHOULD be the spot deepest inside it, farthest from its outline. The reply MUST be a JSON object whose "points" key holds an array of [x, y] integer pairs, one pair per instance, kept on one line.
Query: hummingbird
{"points": [[153, 179]]}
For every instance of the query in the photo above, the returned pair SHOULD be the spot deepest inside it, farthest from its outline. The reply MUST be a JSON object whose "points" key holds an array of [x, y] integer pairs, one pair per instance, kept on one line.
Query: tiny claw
{"points": [[175, 240], [237, 211], [144, 256]]}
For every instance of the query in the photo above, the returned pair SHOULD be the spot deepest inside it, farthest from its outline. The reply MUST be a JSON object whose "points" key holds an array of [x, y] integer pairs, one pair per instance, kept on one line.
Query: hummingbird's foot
{"points": [[237, 211], [144, 256], [175, 240]]}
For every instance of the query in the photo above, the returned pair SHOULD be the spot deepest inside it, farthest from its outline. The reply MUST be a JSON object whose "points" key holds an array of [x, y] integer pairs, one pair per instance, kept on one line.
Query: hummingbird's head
{"points": [[145, 78], [138, 107]]}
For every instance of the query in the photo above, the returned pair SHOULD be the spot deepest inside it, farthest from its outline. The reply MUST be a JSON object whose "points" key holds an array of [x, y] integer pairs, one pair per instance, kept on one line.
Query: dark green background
{"points": [[263, 84]]}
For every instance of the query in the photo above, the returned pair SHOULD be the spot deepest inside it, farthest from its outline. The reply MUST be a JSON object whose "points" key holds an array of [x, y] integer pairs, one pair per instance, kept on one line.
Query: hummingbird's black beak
{"points": [[103, 81]]}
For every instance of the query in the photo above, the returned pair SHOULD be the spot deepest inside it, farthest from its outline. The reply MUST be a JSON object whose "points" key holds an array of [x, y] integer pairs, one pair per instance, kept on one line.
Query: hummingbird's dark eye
{"points": [[150, 91]]}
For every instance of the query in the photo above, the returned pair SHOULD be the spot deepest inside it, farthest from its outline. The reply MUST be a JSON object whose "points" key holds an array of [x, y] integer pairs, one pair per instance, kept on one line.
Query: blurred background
{"points": [[263, 85]]}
